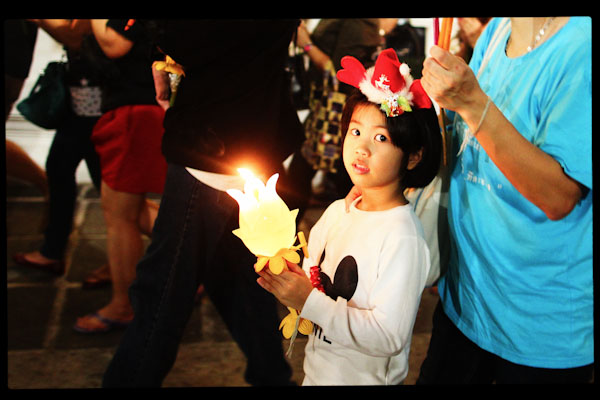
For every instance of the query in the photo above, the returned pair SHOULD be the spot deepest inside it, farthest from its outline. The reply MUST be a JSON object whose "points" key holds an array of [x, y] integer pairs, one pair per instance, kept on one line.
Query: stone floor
{"points": [[43, 351]]}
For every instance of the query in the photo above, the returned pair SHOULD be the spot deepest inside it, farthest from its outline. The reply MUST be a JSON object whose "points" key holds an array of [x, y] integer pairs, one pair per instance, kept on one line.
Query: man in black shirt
{"points": [[233, 107]]}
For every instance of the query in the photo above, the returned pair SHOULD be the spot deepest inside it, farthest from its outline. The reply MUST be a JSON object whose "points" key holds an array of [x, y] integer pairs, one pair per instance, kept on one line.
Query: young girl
{"points": [[373, 260]]}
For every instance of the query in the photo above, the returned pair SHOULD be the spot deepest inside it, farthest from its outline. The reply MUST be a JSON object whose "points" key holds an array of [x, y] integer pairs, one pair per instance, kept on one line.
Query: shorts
{"points": [[128, 141]]}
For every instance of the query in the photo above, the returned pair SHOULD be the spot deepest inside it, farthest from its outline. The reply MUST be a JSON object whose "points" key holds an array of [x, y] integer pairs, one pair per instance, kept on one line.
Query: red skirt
{"points": [[128, 142]]}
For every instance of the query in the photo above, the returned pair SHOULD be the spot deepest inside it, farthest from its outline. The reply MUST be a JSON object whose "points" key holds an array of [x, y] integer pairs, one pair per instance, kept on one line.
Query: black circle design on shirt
{"points": [[345, 279]]}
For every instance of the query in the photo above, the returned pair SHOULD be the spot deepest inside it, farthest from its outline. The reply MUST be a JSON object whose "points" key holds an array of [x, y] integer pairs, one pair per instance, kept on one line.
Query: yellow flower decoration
{"points": [[277, 262], [169, 66], [288, 324]]}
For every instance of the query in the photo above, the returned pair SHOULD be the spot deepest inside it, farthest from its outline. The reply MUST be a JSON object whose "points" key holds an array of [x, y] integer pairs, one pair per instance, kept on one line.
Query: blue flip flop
{"points": [[110, 324]]}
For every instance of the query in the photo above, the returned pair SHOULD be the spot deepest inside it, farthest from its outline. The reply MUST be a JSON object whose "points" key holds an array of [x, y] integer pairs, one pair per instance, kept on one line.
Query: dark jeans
{"points": [[12, 91], [453, 359], [192, 244], [70, 146]]}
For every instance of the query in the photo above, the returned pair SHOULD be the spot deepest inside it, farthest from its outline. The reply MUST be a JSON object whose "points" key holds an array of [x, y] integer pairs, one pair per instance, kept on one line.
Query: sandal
{"points": [[109, 324], [55, 267], [97, 278]]}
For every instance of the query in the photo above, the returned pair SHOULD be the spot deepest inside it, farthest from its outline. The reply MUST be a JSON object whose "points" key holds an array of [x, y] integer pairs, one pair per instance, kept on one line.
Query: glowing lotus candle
{"points": [[267, 226]]}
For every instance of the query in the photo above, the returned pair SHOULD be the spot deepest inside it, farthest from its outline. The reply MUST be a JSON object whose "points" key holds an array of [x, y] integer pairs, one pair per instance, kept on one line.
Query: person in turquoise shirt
{"points": [[516, 303]]}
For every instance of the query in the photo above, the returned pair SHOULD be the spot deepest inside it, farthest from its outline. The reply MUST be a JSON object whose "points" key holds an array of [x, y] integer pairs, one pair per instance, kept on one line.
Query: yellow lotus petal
{"points": [[303, 244], [263, 234], [286, 320], [283, 322], [169, 66], [289, 324], [159, 65], [276, 264], [174, 69], [262, 243], [305, 327], [239, 233], [260, 263], [267, 218], [287, 331], [291, 256]]}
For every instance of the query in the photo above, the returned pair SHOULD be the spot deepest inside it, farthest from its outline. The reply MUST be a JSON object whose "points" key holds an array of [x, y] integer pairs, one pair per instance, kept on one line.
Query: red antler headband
{"points": [[388, 83]]}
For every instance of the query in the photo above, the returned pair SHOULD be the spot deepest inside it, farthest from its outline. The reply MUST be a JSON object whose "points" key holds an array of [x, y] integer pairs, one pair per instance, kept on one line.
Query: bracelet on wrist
{"points": [[485, 110], [307, 47]]}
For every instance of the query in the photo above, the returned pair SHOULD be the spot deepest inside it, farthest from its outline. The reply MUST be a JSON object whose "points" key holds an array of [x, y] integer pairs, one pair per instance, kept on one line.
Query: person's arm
{"points": [[316, 55], [534, 173], [68, 32], [162, 87], [111, 42]]}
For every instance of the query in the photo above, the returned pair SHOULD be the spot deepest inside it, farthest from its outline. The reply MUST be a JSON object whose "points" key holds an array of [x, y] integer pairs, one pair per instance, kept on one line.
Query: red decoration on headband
{"points": [[388, 66], [420, 98], [353, 71], [388, 83]]}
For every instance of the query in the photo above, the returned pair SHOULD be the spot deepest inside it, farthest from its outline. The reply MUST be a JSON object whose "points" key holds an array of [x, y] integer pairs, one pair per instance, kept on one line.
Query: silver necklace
{"points": [[540, 34]]}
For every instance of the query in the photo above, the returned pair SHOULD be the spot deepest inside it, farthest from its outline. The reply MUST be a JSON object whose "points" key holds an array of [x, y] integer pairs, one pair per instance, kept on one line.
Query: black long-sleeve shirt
{"points": [[233, 106]]}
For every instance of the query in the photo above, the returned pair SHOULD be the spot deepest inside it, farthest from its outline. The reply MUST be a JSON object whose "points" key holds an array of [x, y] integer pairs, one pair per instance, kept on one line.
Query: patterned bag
{"points": [[323, 145]]}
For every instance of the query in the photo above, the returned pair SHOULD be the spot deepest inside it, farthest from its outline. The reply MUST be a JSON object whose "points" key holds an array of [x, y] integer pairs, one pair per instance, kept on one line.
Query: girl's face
{"points": [[370, 157]]}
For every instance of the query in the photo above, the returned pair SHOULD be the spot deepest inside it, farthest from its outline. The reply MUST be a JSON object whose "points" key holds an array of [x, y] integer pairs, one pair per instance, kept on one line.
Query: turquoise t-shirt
{"points": [[520, 285]]}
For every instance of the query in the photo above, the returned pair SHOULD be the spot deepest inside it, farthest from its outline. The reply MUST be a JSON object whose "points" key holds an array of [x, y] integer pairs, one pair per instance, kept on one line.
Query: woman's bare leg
{"points": [[21, 166], [124, 248]]}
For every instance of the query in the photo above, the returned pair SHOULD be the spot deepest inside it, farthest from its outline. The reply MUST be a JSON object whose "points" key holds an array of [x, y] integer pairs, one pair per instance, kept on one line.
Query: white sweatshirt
{"points": [[382, 261]]}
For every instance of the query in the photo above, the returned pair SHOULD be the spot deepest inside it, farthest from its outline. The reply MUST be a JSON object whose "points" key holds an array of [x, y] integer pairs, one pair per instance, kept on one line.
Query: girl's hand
{"points": [[291, 287]]}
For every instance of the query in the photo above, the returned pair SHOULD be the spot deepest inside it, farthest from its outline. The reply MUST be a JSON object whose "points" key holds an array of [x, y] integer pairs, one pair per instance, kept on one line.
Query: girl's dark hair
{"points": [[409, 131]]}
